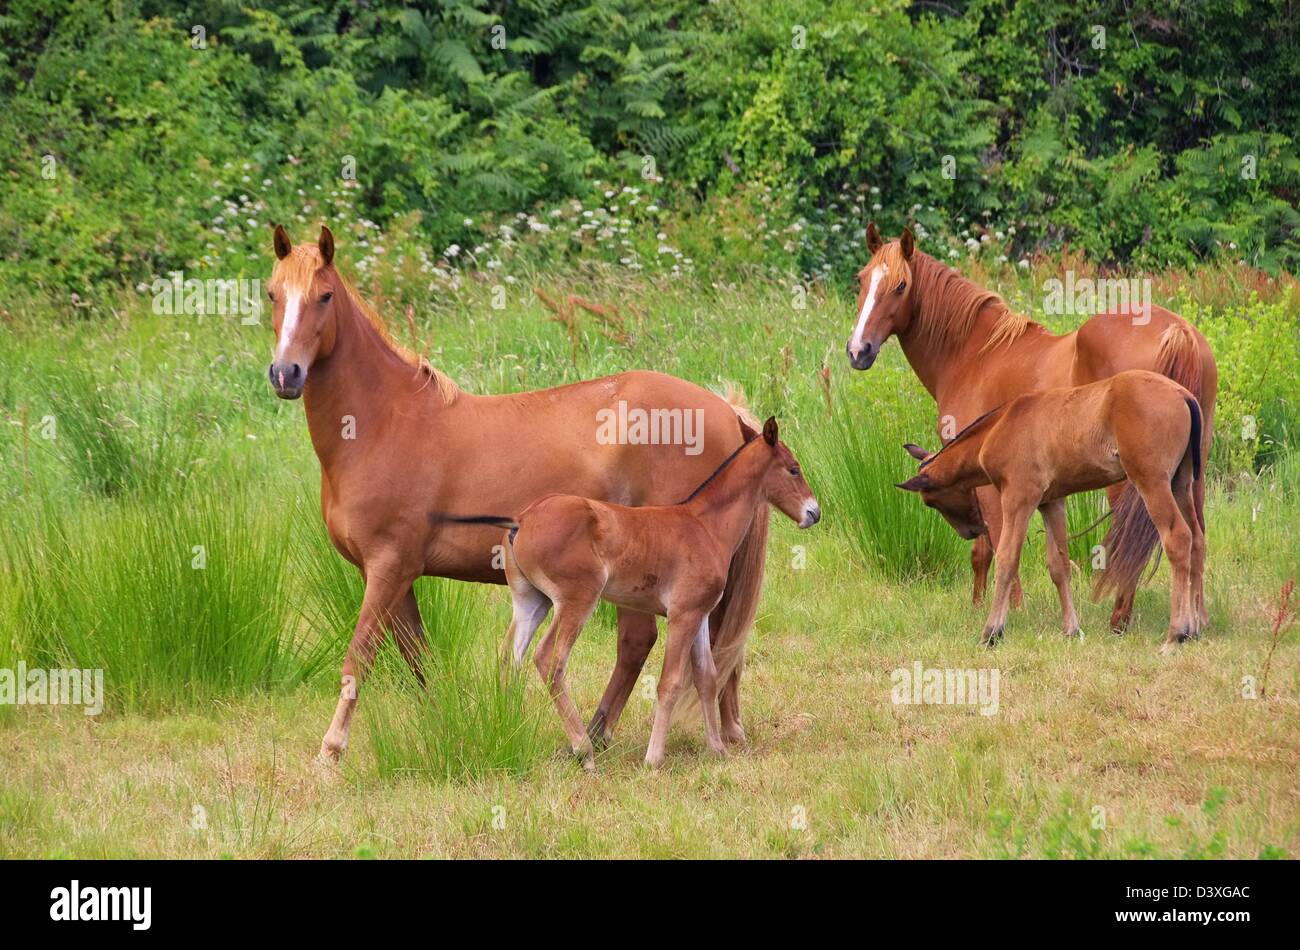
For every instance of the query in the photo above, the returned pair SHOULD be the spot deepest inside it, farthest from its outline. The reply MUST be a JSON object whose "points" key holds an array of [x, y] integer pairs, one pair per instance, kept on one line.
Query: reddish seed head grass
{"points": [[1283, 618]]}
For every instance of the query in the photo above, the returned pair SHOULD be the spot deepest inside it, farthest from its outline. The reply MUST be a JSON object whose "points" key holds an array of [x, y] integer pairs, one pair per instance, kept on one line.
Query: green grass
{"points": [[221, 680]]}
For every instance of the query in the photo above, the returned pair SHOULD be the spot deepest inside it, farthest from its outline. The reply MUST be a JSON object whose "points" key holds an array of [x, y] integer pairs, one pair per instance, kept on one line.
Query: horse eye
{"points": [[795, 471], [327, 297], [901, 287], [270, 295]]}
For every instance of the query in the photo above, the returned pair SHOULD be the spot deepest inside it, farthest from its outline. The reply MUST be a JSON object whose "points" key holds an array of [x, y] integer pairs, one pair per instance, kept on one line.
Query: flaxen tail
{"points": [[744, 581], [1132, 537]]}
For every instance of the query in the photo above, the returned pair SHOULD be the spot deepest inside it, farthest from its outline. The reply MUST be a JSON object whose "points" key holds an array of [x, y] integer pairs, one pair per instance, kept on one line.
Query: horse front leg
{"points": [[386, 584], [408, 631]]}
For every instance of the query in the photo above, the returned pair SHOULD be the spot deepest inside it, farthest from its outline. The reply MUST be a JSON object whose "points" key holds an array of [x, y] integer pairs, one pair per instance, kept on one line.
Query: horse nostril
{"points": [[297, 371], [866, 349]]}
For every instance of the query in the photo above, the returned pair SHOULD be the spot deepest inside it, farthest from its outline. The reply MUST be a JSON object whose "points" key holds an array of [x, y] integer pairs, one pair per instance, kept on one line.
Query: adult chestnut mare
{"points": [[973, 354], [397, 440]]}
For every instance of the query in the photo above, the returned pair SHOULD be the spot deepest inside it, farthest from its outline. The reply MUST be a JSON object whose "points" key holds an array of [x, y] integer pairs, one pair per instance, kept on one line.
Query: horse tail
{"points": [[739, 604], [1132, 536]]}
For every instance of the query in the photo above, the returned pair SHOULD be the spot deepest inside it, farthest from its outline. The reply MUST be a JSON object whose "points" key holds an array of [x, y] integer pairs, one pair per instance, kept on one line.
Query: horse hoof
{"points": [[600, 737], [734, 735], [991, 636]]}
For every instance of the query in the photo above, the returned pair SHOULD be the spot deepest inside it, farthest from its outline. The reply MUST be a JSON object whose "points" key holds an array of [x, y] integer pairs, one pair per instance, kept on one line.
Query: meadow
{"points": [[159, 520]]}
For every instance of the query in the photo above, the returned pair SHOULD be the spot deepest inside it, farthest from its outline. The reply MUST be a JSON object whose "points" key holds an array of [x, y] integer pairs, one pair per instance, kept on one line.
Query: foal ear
{"points": [[769, 430], [907, 243], [873, 238], [326, 245], [282, 243], [916, 451], [915, 483]]}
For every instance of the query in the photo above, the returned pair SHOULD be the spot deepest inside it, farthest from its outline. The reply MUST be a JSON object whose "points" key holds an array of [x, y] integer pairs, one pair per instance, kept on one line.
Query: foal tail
{"points": [[495, 521], [1132, 536]]}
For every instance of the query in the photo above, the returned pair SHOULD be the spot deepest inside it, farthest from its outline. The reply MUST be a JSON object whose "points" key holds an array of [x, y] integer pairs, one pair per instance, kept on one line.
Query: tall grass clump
{"points": [[178, 601], [473, 718], [860, 461]]}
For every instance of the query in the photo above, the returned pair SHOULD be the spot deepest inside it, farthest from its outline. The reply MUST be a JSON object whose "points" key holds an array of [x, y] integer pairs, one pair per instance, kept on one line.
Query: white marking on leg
{"points": [[855, 342], [530, 609]]}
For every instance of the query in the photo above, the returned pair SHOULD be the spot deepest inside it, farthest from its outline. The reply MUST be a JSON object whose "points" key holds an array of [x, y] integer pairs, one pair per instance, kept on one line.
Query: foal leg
{"points": [[1176, 537], [1058, 561], [981, 559], [1186, 500], [706, 684], [386, 583], [636, 636], [682, 632], [1016, 510], [528, 609], [552, 658], [991, 507]]}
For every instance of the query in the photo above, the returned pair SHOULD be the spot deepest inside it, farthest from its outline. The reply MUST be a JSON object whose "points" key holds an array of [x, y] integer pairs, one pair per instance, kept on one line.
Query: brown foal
{"points": [[668, 560], [1042, 447]]}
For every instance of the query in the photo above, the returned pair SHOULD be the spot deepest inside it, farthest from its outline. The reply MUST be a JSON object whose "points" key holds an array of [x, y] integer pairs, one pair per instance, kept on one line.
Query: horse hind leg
{"points": [[990, 503], [1122, 614]]}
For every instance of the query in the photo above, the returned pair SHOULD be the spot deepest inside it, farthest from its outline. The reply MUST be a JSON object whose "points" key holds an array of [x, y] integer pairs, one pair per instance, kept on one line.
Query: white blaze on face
{"points": [[877, 275], [289, 327]]}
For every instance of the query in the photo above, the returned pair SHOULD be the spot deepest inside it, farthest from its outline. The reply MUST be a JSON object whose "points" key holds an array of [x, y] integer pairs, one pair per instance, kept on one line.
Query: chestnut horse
{"points": [[667, 560], [1044, 446], [396, 440], [972, 354]]}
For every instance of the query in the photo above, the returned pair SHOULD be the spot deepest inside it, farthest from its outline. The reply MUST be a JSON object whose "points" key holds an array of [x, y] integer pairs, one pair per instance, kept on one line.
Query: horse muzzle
{"points": [[862, 356], [287, 379], [811, 515]]}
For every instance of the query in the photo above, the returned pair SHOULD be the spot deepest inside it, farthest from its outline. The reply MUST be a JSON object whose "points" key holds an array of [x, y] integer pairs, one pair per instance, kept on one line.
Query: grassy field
{"points": [[221, 679]]}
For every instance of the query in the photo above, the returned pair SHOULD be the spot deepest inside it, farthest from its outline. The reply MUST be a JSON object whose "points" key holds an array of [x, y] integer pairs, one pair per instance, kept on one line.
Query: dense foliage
{"points": [[139, 136]]}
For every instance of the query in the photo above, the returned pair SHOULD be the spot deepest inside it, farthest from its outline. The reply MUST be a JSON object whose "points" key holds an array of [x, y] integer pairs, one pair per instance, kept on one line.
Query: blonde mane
{"points": [[297, 271], [947, 303]]}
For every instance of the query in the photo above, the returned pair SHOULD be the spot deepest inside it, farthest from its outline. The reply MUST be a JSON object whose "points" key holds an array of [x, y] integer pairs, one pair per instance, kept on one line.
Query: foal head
{"points": [[783, 481], [305, 291], [884, 296], [957, 503]]}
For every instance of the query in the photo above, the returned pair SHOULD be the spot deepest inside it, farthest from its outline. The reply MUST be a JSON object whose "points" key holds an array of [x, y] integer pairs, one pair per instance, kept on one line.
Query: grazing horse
{"points": [[1042, 447], [971, 353], [667, 560], [397, 439]]}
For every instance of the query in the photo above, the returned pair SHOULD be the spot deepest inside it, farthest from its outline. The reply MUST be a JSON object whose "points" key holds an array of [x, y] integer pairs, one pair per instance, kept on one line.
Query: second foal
{"points": [[667, 560], [1044, 446]]}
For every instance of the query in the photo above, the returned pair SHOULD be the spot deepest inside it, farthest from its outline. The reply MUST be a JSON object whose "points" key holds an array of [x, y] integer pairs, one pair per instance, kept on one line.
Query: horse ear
{"points": [[770, 430], [915, 483], [916, 451], [907, 243], [326, 245], [873, 238], [282, 243]]}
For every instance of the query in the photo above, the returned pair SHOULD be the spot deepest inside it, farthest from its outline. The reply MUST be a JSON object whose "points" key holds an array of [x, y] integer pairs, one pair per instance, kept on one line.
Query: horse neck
{"points": [[726, 504], [362, 370], [941, 363]]}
